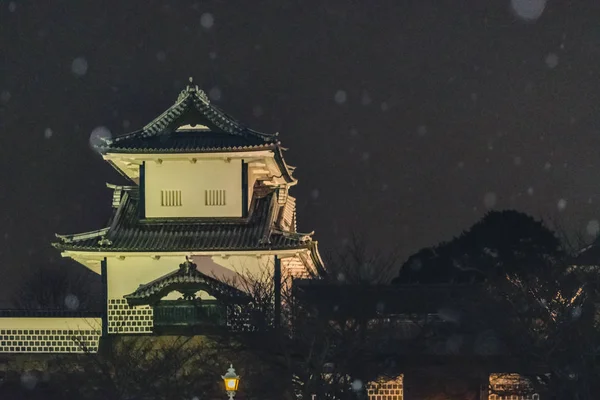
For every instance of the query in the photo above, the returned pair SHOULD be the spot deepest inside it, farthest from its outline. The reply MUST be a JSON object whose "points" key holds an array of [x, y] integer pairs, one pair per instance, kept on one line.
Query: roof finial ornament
{"points": [[191, 79]]}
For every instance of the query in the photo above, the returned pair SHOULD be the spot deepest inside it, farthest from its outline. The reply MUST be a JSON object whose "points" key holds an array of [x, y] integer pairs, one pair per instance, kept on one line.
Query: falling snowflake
{"points": [[547, 166], [474, 96], [562, 204], [486, 344], [365, 99], [341, 277], [357, 385], [99, 136], [384, 106], [29, 380], [315, 194], [207, 20], [530, 191], [461, 164], [517, 160], [593, 227], [489, 200], [161, 56], [71, 302], [449, 315], [257, 111], [79, 66], [126, 123], [212, 55], [5, 96], [454, 343], [416, 264], [353, 132], [384, 187], [12, 6], [422, 130], [366, 156], [48, 133], [576, 312], [528, 10], [215, 94], [340, 97], [551, 60]]}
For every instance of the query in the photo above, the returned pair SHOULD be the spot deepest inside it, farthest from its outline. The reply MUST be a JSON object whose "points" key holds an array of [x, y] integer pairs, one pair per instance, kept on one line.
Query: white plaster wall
{"points": [[193, 180], [124, 276], [251, 181]]}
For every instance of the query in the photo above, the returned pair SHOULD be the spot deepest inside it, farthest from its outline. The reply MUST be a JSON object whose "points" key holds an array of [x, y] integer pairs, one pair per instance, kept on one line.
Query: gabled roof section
{"points": [[187, 280], [128, 233], [191, 124]]}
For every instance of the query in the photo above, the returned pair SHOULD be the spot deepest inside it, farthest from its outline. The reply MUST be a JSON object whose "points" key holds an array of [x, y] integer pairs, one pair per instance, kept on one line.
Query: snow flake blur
{"points": [[161, 56], [365, 99], [489, 200], [517, 160], [29, 380], [551, 60], [5, 96], [257, 111], [357, 385], [48, 133], [215, 94], [79, 66], [562, 204], [340, 97], [528, 10], [207, 20], [71, 302], [12, 6], [593, 227], [99, 136]]}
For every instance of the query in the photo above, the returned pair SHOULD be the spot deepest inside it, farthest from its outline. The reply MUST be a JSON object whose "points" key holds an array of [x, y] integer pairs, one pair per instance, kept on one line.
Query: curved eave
{"points": [[117, 150], [110, 249], [316, 258], [285, 170]]}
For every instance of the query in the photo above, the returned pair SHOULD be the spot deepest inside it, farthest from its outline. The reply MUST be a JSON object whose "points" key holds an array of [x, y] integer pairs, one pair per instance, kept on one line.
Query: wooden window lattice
{"points": [[214, 197], [170, 198]]}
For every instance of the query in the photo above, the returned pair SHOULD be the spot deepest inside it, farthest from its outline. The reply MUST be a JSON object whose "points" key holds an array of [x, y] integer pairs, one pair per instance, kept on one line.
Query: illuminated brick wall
{"points": [[49, 335], [386, 390], [125, 319]]}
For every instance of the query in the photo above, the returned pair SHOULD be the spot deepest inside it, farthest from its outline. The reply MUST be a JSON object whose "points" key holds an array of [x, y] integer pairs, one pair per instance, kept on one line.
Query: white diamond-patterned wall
{"points": [[125, 319], [386, 390], [50, 335]]}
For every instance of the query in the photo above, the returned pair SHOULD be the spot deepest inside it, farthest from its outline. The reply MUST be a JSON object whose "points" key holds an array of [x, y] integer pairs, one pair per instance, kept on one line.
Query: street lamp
{"points": [[231, 380]]}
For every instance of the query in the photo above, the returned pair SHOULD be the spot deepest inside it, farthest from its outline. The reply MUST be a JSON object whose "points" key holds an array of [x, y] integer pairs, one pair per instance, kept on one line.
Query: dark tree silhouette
{"points": [[539, 307], [57, 287], [502, 242]]}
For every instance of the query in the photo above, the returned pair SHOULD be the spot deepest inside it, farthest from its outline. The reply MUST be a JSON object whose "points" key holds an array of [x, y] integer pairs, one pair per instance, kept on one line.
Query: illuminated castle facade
{"points": [[208, 198]]}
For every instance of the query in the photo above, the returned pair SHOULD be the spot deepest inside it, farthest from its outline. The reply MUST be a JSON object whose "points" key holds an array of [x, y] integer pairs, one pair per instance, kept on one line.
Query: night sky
{"points": [[407, 119]]}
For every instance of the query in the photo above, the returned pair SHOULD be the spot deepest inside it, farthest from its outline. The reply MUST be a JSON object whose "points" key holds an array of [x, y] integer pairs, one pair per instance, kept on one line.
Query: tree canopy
{"points": [[501, 242]]}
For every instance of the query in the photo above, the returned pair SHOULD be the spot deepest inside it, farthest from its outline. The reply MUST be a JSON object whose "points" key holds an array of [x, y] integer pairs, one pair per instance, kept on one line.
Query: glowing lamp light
{"points": [[231, 380]]}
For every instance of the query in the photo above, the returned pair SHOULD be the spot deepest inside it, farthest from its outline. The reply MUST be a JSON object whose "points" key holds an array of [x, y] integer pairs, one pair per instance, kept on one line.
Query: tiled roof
{"points": [[186, 278], [188, 141], [218, 131], [128, 233]]}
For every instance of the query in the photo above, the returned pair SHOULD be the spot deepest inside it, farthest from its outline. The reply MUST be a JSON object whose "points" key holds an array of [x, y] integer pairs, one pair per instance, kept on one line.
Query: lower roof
{"points": [[128, 233]]}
